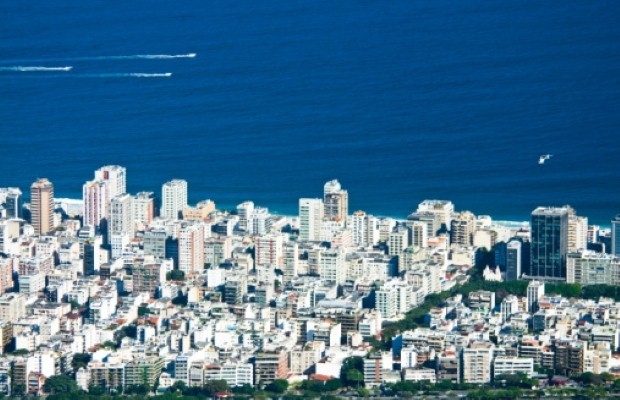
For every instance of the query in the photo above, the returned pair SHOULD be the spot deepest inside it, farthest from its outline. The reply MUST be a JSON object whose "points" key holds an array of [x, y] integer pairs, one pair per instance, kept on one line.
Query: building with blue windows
{"points": [[549, 245]]}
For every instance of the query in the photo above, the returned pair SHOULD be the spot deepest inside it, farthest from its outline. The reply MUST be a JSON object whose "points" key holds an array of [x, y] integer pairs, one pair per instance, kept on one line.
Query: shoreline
{"points": [[507, 223]]}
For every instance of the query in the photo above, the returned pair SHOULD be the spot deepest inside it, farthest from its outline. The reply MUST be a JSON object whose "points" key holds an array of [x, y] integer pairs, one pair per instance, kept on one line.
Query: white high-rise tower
{"points": [[173, 198], [310, 218], [116, 178]]}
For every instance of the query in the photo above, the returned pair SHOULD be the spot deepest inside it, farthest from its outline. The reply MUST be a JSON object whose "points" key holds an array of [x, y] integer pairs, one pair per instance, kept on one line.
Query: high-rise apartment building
{"points": [[191, 248], [310, 218], [115, 177], [261, 221], [577, 231], [110, 181], [476, 363], [120, 224], [290, 255], [235, 288], [366, 230], [569, 356], [442, 208], [418, 233], [332, 267], [245, 211], [268, 250], [96, 203], [270, 365], [147, 276], [91, 257], [6, 273], [588, 267], [155, 243], [121, 215], [11, 201], [549, 243], [173, 198], [336, 201], [535, 291], [359, 230], [431, 220], [462, 229], [398, 241], [143, 206], [42, 206]]}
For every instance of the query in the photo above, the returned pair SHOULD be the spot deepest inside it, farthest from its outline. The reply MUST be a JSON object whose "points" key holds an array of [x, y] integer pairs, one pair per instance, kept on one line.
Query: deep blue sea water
{"points": [[400, 100]]}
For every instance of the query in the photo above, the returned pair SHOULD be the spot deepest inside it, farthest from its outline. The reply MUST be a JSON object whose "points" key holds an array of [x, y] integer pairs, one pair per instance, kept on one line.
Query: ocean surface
{"points": [[401, 100]]}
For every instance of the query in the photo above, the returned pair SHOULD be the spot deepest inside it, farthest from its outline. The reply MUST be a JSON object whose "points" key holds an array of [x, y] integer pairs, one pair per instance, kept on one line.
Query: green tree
{"points": [[96, 390], [178, 386], [80, 360], [19, 389], [353, 377], [519, 380], [180, 300], [352, 371], [244, 389], [589, 378], [108, 344], [215, 386], [175, 275], [278, 386], [130, 331], [141, 390], [570, 290], [333, 384]]}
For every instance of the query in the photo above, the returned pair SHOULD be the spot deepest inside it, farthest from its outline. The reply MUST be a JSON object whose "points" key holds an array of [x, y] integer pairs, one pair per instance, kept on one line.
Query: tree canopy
{"points": [[60, 384], [80, 360], [278, 386]]}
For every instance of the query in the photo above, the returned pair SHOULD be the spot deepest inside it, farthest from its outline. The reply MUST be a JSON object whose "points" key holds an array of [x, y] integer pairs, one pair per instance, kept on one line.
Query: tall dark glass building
{"points": [[513, 260], [549, 245], [615, 236]]}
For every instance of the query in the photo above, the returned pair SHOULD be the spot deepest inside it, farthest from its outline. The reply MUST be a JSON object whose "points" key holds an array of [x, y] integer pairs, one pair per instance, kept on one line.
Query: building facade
{"points": [[310, 218], [42, 206], [549, 246], [173, 198]]}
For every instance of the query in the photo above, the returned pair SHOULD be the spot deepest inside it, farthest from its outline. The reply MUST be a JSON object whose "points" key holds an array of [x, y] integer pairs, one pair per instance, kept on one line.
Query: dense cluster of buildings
{"points": [[156, 290], [474, 340]]}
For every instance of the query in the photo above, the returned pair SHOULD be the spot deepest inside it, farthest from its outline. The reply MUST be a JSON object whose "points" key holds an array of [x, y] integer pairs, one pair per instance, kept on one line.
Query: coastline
{"points": [[515, 223]]}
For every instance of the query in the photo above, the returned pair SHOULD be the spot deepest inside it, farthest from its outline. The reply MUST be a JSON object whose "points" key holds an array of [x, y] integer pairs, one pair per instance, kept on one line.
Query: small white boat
{"points": [[544, 158]]}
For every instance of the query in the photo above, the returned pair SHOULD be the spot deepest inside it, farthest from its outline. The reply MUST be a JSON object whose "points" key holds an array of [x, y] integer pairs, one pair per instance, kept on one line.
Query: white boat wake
{"points": [[142, 75], [127, 75], [35, 69], [101, 58], [162, 56]]}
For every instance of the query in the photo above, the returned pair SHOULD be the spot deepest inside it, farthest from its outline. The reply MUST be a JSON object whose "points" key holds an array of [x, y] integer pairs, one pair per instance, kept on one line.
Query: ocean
{"points": [[400, 100]]}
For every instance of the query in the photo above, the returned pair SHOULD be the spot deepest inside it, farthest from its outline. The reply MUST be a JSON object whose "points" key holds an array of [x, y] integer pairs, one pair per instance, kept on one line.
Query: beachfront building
{"points": [[336, 201], [173, 198], [42, 206], [549, 243], [310, 219]]}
